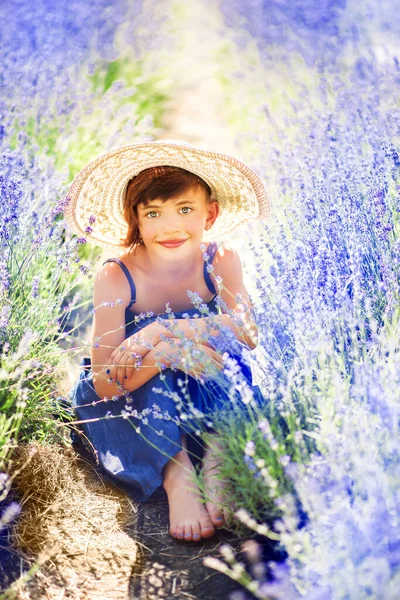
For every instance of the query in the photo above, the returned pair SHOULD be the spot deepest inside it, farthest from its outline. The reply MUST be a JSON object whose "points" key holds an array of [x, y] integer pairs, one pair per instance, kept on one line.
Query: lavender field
{"points": [[308, 94]]}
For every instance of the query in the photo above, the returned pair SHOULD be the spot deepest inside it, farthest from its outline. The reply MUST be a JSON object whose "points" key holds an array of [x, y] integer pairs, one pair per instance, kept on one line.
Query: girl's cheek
{"points": [[148, 226]]}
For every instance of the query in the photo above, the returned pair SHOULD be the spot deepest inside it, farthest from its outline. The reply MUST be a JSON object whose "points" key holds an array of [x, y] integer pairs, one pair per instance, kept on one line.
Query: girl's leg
{"points": [[189, 519], [214, 487]]}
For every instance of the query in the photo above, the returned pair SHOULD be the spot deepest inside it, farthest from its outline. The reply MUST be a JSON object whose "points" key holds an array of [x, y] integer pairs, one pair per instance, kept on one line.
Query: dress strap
{"points": [[210, 253], [128, 276]]}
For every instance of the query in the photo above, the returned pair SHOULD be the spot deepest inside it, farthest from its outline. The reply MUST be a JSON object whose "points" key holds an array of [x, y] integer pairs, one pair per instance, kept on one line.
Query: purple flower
{"points": [[306, 26], [35, 286], [9, 514]]}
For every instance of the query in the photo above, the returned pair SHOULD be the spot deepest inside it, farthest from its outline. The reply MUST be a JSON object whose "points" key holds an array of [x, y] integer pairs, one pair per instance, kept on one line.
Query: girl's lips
{"points": [[172, 243]]}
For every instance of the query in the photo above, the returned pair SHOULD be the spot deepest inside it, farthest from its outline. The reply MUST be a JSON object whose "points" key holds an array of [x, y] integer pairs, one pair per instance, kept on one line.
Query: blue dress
{"points": [[132, 447]]}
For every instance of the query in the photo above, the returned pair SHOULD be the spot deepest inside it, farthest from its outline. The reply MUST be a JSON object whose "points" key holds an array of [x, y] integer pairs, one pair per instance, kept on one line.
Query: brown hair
{"points": [[162, 182]]}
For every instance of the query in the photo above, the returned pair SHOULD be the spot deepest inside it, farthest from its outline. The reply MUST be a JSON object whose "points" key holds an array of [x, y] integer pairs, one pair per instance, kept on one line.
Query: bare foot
{"points": [[188, 517], [214, 487]]}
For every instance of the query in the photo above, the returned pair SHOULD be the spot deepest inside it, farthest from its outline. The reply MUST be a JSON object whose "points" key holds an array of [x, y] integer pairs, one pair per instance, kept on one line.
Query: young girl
{"points": [[160, 202]]}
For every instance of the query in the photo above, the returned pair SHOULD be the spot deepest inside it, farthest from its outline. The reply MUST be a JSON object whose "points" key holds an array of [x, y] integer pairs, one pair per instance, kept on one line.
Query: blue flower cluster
{"points": [[329, 292], [319, 30], [43, 45]]}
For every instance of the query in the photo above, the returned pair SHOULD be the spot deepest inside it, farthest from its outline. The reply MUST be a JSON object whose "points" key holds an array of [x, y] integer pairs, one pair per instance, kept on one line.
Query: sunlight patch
{"points": [[111, 463]]}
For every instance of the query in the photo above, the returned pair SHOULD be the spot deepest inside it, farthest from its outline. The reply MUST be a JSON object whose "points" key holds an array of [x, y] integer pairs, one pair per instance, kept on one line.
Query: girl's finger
{"points": [[121, 371], [128, 361], [114, 368], [113, 360], [132, 360], [214, 355]]}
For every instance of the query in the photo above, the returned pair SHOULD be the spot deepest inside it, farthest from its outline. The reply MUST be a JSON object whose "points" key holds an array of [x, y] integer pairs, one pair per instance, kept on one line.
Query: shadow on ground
{"points": [[12, 564]]}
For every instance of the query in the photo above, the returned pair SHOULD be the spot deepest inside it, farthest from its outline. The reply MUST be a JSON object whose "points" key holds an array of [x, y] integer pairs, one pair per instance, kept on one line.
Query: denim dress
{"points": [[132, 447]]}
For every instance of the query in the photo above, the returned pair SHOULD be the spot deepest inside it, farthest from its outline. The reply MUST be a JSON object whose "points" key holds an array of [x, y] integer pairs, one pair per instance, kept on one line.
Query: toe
{"points": [[216, 515], [219, 520], [188, 533], [180, 531], [196, 532], [207, 528], [207, 531]]}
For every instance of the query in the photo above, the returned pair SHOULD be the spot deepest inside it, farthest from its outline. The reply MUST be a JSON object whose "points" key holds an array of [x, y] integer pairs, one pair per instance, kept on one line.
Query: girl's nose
{"points": [[171, 225]]}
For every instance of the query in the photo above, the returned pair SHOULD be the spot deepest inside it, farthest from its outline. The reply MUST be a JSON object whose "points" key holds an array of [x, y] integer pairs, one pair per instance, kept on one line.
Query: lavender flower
{"points": [[9, 514], [35, 286], [327, 294]]}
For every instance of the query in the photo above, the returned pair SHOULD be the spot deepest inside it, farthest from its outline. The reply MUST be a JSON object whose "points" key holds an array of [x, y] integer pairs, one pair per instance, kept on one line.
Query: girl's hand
{"points": [[197, 361], [152, 333], [202, 361], [128, 356], [126, 359]]}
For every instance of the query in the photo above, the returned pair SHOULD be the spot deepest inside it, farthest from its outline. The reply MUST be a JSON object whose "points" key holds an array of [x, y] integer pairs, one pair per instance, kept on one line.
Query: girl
{"points": [[159, 202]]}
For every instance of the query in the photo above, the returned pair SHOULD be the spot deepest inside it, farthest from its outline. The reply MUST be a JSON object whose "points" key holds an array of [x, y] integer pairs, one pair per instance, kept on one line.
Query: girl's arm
{"points": [[147, 370], [237, 306], [111, 296], [228, 268], [163, 356]]}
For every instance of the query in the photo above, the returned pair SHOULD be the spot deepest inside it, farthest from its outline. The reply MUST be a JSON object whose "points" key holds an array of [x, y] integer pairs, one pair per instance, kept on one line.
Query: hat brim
{"points": [[96, 196]]}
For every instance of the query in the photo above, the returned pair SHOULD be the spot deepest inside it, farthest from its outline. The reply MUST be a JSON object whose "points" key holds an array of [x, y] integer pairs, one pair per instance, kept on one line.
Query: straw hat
{"points": [[95, 199]]}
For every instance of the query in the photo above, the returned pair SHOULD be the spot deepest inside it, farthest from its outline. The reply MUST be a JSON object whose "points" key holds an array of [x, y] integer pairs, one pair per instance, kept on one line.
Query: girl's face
{"points": [[173, 226]]}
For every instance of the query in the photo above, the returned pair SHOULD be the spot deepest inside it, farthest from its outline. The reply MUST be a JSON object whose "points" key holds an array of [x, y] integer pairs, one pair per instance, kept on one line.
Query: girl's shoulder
{"points": [[226, 260], [110, 283]]}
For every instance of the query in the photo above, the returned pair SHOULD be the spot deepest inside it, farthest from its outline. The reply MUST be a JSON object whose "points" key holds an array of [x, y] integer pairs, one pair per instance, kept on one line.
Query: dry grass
{"points": [[72, 524]]}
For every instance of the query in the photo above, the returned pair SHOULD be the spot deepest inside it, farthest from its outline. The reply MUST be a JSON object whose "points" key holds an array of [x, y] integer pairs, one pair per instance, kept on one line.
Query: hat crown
{"points": [[174, 142]]}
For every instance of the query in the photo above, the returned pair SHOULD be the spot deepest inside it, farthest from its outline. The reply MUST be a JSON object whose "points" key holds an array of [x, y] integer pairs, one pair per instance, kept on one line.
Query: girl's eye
{"points": [[186, 210], [152, 214]]}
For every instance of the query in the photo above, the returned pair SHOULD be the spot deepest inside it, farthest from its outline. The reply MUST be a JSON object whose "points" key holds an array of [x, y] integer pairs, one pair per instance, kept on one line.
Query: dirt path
{"points": [[172, 569], [197, 112]]}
